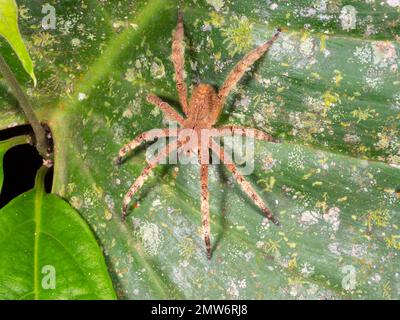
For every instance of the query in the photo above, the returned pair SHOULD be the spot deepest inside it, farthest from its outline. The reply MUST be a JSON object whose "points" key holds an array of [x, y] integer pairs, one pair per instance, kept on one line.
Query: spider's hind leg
{"points": [[164, 153], [135, 187], [205, 208], [244, 184]]}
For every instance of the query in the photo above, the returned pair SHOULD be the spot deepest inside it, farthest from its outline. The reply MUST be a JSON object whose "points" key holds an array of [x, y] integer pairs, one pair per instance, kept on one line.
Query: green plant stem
{"points": [[42, 144]]}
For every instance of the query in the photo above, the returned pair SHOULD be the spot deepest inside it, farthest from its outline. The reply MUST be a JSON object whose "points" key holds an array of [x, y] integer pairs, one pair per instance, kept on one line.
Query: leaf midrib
{"points": [[37, 217]]}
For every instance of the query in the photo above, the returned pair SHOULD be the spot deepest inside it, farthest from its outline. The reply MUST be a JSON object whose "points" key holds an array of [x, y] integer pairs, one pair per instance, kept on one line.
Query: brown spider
{"points": [[202, 112]]}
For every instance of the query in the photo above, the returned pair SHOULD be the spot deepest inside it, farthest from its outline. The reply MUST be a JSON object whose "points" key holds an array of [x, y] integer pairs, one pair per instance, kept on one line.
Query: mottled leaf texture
{"points": [[328, 89], [47, 251]]}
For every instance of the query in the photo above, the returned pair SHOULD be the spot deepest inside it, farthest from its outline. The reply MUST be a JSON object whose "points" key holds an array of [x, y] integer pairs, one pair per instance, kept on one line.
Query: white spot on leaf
{"points": [[151, 236]]}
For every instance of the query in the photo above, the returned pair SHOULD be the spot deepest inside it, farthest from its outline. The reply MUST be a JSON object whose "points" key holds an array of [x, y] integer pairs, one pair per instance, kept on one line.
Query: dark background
{"points": [[20, 165]]}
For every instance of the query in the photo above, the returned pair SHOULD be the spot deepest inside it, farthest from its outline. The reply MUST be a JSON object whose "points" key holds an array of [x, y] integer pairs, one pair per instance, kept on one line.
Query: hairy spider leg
{"points": [[238, 71], [244, 184], [164, 152], [204, 156], [166, 108], [145, 136], [205, 208], [178, 59]]}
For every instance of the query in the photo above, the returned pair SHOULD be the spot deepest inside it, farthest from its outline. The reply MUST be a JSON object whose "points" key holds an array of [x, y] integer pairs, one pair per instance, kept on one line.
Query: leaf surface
{"points": [[329, 92]]}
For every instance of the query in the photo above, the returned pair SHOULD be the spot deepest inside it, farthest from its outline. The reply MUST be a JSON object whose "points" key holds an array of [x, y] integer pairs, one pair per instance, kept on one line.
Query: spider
{"points": [[202, 111]]}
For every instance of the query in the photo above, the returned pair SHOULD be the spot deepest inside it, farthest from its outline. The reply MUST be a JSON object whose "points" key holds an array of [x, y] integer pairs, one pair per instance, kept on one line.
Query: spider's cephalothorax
{"points": [[202, 112], [202, 103]]}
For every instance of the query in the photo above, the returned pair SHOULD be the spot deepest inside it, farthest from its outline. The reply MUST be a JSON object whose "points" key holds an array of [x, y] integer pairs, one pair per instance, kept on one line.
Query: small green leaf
{"points": [[10, 31], [47, 251], [4, 147]]}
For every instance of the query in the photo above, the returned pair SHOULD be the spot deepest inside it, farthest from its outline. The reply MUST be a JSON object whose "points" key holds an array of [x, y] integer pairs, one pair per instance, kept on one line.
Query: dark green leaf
{"points": [[48, 252]]}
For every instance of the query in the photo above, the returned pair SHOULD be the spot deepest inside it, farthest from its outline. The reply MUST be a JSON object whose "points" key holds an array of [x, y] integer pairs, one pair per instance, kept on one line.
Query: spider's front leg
{"points": [[178, 59], [164, 153], [245, 185], [239, 70], [166, 108]]}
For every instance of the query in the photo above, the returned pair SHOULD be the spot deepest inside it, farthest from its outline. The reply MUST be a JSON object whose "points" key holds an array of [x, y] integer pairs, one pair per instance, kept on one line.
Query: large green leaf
{"points": [[48, 252], [9, 30], [328, 91]]}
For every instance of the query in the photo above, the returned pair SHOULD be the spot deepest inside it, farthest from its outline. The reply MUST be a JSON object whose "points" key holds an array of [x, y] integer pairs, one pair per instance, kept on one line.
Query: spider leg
{"points": [[178, 59], [238, 71], [245, 185], [248, 132], [166, 108], [164, 152], [145, 136], [205, 208]]}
